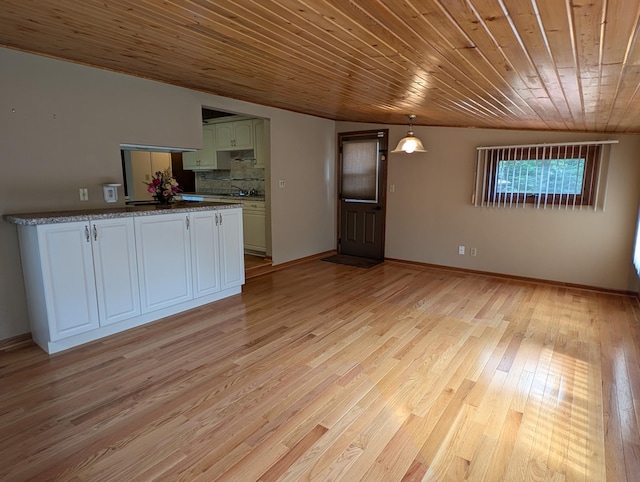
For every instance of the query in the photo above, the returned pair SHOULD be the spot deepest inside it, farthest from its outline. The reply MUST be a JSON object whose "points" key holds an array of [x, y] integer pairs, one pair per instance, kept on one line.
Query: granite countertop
{"points": [[52, 217], [226, 196]]}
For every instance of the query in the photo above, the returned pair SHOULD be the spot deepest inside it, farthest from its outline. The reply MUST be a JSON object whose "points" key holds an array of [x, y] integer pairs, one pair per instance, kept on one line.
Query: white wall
{"points": [[430, 213], [60, 129]]}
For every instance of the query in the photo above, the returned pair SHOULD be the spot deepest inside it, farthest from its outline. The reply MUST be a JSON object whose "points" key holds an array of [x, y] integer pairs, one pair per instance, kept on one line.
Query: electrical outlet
{"points": [[84, 194], [282, 183], [392, 188], [460, 249], [474, 251]]}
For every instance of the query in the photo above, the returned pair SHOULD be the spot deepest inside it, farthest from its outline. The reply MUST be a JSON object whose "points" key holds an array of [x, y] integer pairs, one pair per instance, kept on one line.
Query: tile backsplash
{"points": [[242, 174]]}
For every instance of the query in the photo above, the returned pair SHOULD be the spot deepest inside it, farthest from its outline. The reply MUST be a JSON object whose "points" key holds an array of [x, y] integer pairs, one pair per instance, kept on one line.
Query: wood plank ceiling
{"points": [[563, 65]]}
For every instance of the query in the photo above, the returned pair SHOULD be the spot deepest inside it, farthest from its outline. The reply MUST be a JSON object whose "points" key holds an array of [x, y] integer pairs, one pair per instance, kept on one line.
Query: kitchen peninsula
{"points": [[92, 273]]}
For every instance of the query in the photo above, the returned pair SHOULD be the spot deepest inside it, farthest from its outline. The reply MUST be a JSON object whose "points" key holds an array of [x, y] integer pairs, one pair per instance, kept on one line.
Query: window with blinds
{"points": [[360, 170], [563, 176]]}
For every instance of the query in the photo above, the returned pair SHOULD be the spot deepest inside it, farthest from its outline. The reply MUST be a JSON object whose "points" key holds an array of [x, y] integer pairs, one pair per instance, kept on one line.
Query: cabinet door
{"points": [[243, 134], [190, 160], [208, 153], [160, 161], [253, 221], [141, 172], [231, 248], [164, 260], [224, 136], [205, 253], [260, 145], [114, 260], [204, 158], [68, 278]]}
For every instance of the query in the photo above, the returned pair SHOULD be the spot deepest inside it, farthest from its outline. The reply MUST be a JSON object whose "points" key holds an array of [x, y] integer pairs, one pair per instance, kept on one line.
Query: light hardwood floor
{"points": [[329, 372]]}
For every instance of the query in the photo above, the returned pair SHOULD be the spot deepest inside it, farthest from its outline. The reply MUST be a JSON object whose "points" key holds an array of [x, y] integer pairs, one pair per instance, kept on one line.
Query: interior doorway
{"points": [[361, 189]]}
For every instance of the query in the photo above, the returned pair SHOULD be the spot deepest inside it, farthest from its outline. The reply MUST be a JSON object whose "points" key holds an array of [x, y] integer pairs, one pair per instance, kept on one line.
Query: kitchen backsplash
{"points": [[243, 175]]}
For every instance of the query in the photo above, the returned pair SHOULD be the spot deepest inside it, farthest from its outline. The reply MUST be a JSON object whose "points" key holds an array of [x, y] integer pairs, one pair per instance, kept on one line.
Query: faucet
{"points": [[242, 191]]}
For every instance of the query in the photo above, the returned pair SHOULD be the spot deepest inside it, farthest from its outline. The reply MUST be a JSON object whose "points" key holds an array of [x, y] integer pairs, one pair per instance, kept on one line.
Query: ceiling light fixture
{"points": [[410, 143]]}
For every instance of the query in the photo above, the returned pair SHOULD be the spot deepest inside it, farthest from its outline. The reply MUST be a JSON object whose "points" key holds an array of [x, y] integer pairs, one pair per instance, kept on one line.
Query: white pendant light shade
{"points": [[410, 143]]}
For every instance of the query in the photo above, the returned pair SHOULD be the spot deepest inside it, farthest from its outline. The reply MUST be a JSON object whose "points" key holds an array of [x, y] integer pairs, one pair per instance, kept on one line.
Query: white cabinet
{"points": [[261, 143], [144, 165], [205, 158], [231, 248], [66, 302], [216, 248], [186, 256], [205, 253], [254, 224], [164, 260], [79, 276], [89, 279], [116, 270], [231, 136]]}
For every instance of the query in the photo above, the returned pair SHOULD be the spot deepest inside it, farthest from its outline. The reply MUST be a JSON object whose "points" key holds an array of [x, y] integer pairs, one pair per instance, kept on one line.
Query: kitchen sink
{"points": [[156, 203]]}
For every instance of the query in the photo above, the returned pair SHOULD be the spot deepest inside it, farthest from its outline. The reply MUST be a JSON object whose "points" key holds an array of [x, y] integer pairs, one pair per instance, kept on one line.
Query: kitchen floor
{"points": [[256, 265], [251, 261]]}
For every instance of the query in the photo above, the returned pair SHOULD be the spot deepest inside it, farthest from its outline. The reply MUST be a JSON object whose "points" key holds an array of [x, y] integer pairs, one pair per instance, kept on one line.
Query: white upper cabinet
{"points": [[205, 158], [261, 142], [231, 136]]}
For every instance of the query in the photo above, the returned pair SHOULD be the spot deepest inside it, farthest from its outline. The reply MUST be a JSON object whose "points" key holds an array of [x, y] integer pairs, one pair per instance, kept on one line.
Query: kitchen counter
{"points": [[230, 197], [95, 272], [31, 219]]}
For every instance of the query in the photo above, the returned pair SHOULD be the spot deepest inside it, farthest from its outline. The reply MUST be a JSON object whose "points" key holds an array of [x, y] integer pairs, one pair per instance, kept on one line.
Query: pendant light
{"points": [[410, 143]]}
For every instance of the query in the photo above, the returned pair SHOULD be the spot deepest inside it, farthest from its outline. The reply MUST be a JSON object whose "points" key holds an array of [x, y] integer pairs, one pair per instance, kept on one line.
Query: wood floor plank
{"points": [[328, 372]]}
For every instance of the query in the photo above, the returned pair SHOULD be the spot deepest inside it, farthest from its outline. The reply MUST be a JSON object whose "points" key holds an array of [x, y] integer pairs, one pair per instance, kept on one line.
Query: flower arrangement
{"points": [[163, 186]]}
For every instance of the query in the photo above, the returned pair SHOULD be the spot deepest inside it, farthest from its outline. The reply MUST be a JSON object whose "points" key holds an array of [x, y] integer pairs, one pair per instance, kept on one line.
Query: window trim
{"points": [[597, 176]]}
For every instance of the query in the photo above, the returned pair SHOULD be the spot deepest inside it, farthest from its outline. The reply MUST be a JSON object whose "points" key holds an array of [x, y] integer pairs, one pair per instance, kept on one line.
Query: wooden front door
{"points": [[363, 174]]}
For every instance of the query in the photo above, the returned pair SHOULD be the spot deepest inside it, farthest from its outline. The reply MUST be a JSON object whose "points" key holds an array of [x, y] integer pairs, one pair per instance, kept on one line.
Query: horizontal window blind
{"points": [[555, 176]]}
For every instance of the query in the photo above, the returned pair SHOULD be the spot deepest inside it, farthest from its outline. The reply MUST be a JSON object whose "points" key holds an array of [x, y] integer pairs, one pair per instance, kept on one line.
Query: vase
{"points": [[163, 199]]}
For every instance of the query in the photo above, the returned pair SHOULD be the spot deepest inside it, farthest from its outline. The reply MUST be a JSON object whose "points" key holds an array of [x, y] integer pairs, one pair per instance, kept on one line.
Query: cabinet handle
{"points": [[187, 218], [216, 215], [95, 233], [86, 233]]}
